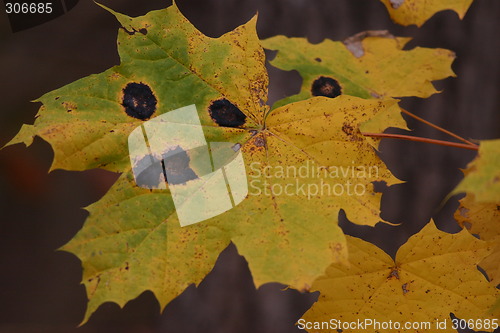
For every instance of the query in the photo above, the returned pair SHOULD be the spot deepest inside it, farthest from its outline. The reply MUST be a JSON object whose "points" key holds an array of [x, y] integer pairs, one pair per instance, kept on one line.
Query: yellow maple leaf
{"points": [[434, 274], [407, 12], [371, 64], [483, 219]]}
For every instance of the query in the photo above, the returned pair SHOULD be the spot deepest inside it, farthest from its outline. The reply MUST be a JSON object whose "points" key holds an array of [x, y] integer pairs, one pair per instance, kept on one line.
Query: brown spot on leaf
{"points": [[326, 86], [259, 141], [351, 132], [139, 101], [405, 288], [464, 212], [347, 129], [69, 106], [394, 273]]}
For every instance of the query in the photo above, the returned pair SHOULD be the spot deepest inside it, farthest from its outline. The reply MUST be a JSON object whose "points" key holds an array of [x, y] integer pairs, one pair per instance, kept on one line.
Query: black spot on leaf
{"points": [[326, 86], [139, 100], [318, 59], [226, 114], [176, 166], [131, 33], [151, 176]]}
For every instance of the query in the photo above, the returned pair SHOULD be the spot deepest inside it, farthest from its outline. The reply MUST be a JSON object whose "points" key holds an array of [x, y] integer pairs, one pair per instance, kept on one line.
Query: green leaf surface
{"points": [[482, 176], [132, 240], [85, 121]]}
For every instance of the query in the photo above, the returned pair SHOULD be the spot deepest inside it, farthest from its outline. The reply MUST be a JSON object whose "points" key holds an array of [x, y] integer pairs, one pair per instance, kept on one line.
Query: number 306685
{"points": [[28, 8]]}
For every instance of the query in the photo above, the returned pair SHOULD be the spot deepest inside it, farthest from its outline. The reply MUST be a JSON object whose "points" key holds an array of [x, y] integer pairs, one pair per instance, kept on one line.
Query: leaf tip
{"points": [[25, 135], [55, 166], [86, 317], [123, 19], [252, 22]]}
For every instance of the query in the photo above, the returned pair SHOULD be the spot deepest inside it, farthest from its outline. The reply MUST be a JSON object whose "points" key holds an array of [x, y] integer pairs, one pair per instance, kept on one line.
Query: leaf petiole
{"points": [[437, 127], [420, 139]]}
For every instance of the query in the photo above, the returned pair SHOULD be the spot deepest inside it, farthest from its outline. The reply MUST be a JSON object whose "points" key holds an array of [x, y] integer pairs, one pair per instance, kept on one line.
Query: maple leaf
{"points": [[370, 64], [482, 219], [170, 66], [434, 274], [482, 176], [407, 12], [132, 240]]}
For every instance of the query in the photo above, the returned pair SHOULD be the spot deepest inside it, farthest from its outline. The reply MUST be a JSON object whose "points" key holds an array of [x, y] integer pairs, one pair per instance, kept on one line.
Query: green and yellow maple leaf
{"points": [[132, 240], [407, 12], [483, 219], [482, 176], [434, 274], [479, 210], [368, 65], [85, 122]]}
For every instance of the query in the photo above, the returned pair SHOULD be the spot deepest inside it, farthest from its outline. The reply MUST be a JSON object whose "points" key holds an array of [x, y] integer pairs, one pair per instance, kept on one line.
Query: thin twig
{"points": [[438, 128], [419, 139]]}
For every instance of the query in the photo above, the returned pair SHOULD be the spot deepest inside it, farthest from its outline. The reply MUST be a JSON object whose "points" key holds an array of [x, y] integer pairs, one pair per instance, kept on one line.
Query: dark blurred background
{"points": [[40, 288]]}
